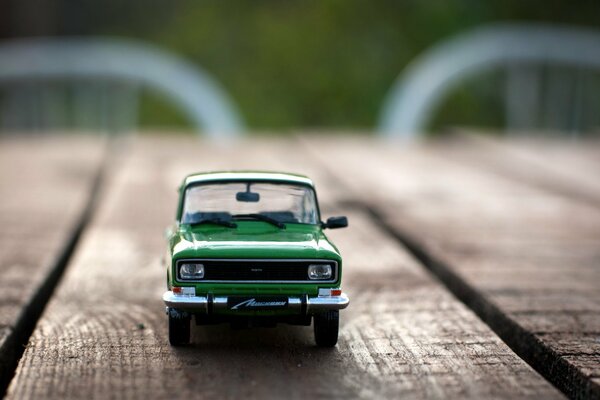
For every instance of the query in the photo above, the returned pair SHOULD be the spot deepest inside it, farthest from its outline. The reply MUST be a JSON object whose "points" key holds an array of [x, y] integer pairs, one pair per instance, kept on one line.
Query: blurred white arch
{"points": [[130, 63], [410, 104]]}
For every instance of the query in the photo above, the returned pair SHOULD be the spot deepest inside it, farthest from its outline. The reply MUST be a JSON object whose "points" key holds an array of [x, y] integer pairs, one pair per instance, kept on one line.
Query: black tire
{"points": [[326, 326], [179, 330]]}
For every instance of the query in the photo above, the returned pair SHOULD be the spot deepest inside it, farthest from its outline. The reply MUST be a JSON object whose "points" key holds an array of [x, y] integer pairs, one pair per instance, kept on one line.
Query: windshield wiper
{"points": [[260, 217], [216, 221]]}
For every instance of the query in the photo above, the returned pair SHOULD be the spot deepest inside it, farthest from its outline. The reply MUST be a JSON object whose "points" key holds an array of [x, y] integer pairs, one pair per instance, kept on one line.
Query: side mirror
{"points": [[336, 222]]}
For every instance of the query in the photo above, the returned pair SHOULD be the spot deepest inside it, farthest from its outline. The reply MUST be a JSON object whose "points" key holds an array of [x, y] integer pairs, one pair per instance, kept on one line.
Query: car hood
{"points": [[253, 240]]}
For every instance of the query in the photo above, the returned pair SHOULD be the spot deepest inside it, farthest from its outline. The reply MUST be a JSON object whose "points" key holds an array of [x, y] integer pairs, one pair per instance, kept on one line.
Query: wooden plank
{"points": [[524, 257], [45, 189], [105, 336], [567, 167]]}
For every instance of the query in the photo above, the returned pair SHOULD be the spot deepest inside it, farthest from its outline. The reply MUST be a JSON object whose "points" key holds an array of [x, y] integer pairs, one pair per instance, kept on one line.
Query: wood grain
{"points": [[45, 189], [104, 335], [523, 255], [567, 167]]}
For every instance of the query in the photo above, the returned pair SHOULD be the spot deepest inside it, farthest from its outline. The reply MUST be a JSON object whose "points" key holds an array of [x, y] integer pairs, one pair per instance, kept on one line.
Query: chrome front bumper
{"points": [[209, 304]]}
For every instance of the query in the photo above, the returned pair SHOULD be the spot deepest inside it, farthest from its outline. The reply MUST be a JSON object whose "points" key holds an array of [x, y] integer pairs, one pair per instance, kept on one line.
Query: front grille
{"points": [[259, 270]]}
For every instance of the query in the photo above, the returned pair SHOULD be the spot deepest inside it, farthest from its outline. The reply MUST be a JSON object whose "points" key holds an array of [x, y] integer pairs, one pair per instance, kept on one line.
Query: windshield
{"points": [[285, 203]]}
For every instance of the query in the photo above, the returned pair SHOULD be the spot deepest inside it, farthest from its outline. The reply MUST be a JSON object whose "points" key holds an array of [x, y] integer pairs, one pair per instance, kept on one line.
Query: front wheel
{"points": [[179, 329], [326, 326]]}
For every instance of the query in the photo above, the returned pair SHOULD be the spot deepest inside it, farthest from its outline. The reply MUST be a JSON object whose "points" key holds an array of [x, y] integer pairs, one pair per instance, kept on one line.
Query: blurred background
{"points": [[283, 66]]}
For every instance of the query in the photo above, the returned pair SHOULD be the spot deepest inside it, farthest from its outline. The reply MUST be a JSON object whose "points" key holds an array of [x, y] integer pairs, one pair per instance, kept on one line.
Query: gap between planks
{"points": [[15, 341], [552, 366]]}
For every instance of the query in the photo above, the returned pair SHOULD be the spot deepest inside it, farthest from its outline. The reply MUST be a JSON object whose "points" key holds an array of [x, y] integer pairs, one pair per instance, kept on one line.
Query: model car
{"points": [[248, 248]]}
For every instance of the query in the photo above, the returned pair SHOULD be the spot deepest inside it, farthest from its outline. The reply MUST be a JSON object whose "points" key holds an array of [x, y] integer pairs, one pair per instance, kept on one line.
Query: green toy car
{"points": [[248, 248]]}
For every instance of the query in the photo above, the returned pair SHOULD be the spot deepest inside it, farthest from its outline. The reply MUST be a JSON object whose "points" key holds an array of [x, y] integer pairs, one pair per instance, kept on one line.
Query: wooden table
{"points": [[473, 267]]}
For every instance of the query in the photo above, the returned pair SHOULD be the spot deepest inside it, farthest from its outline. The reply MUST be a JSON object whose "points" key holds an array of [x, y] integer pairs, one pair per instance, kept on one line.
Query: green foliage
{"points": [[320, 63]]}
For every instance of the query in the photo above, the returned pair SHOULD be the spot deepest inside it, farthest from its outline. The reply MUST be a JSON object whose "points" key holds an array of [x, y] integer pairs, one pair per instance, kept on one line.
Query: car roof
{"points": [[234, 176]]}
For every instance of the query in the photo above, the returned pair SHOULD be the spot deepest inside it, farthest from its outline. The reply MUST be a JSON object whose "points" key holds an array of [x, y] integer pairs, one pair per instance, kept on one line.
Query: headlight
{"points": [[191, 271], [319, 271]]}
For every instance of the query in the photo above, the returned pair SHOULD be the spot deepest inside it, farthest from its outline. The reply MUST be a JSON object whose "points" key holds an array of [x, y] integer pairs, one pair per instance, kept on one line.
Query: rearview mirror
{"points": [[247, 197], [336, 222]]}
